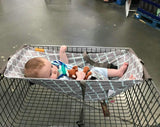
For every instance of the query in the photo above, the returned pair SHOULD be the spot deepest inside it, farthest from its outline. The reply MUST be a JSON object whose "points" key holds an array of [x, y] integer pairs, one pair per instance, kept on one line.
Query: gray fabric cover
{"points": [[95, 89]]}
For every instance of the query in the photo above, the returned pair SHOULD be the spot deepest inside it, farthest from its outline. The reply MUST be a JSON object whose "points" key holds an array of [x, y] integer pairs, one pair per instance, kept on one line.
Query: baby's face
{"points": [[48, 71]]}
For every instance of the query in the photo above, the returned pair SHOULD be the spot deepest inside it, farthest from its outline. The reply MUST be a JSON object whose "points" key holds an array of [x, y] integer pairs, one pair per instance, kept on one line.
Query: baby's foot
{"points": [[123, 69]]}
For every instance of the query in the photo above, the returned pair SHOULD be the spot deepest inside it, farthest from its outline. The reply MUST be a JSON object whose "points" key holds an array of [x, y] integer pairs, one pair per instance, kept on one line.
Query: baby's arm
{"points": [[80, 75], [62, 54]]}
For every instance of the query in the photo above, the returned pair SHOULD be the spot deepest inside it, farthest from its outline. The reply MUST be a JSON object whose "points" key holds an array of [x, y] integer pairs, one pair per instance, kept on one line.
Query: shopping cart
{"points": [[54, 103]]}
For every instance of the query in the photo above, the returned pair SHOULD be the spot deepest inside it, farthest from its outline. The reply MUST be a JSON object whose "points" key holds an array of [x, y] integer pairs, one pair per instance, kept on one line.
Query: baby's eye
{"points": [[51, 66], [50, 73]]}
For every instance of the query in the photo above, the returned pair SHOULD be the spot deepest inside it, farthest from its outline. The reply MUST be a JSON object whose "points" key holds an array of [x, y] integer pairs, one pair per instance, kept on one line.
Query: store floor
{"points": [[76, 22]]}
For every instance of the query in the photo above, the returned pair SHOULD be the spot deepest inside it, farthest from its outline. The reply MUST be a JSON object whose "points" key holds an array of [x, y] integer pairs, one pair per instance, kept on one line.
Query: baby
{"points": [[39, 67]]}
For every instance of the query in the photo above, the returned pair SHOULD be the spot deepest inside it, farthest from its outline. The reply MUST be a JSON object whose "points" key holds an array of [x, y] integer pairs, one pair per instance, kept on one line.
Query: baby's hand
{"points": [[80, 75], [62, 54], [63, 48]]}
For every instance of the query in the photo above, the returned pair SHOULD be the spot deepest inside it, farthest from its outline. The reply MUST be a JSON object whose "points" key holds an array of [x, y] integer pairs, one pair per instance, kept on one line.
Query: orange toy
{"points": [[87, 71], [72, 72], [39, 49]]}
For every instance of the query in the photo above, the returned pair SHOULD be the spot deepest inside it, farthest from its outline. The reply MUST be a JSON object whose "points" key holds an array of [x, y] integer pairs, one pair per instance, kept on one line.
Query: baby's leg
{"points": [[118, 72]]}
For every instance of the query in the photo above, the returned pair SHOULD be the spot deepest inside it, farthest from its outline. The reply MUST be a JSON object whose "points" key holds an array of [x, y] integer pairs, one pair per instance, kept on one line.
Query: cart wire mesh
{"points": [[23, 104]]}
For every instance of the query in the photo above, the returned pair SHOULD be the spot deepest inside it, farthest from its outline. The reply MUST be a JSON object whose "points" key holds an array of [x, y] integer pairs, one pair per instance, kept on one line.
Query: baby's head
{"points": [[39, 67]]}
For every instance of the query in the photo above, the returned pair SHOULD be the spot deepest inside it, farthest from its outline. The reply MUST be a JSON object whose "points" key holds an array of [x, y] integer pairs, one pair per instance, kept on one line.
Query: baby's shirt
{"points": [[62, 69]]}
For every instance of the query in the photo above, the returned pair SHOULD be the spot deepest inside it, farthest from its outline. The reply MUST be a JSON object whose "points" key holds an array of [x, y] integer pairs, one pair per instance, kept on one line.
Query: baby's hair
{"points": [[33, 66]]}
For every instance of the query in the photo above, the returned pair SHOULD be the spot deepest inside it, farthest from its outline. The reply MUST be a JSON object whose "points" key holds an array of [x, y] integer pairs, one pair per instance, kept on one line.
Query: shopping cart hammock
{"points": [[94, 89]]}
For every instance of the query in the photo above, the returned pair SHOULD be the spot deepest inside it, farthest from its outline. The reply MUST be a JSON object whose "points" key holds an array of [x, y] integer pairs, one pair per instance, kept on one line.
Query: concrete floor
{"points": [[76, 22]]}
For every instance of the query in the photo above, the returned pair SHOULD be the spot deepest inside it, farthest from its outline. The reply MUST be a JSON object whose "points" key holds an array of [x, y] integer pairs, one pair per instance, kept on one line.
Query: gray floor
{"points": [[76, 22]]}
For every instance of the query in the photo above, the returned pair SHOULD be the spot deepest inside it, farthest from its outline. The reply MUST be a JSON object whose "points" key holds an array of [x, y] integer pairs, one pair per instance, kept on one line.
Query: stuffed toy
{"points": [[72, 72], [87, 71]]}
